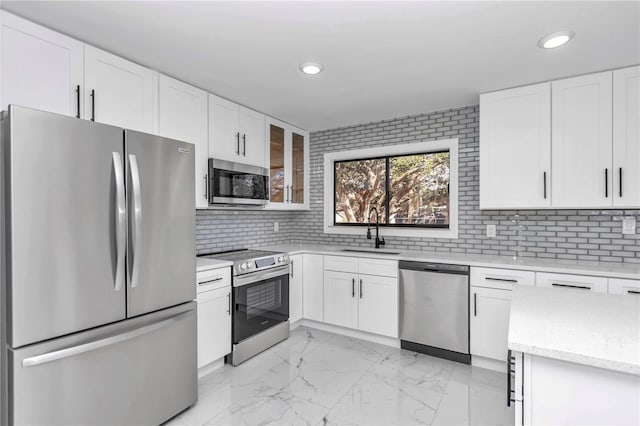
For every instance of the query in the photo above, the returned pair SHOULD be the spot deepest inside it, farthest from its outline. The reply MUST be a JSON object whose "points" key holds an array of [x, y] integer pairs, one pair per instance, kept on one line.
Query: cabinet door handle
{"points": [[93, 105], [238, 143], [353, 287], [291, 266], [581, 287], [506, 280], [286, 189], [633, 291], [620, 178], [606, 183], [244, 145], [216, 279], [229, 299], [206, 188], [360, 288], [509, 378], [544, 184], [78, 101], [475, 304]]}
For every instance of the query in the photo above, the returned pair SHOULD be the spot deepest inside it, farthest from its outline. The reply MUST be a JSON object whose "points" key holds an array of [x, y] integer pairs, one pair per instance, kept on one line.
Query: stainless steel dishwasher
{"points": [[434, 309]]}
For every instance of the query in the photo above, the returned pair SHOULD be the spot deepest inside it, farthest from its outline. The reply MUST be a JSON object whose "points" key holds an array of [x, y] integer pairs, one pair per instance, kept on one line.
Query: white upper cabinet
{"points": [[236, 133], [119, 92], [252, 137], [288, 158], [515, 148], [626, 137], [182, 115], [41, 69], [582, 175]]}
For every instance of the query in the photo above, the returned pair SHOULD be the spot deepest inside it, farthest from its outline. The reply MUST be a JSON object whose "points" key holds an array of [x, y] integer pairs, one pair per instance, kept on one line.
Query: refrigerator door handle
{"points": [[137, 219], [121, 215], [97, 344]]}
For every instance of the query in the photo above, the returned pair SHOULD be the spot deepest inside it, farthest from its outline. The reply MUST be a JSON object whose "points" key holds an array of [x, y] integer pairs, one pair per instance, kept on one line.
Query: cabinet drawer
{"points": [[341, 264], [620, 286], [213, 279], [500, 278], [385, 268], [577, 282]]}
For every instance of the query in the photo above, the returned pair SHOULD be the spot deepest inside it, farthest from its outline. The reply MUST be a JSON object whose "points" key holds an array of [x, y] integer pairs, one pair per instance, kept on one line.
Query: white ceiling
{"points": [[382, 59]]}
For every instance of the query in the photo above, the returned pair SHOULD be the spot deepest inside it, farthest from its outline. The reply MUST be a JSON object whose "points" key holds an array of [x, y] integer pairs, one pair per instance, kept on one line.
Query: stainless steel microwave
{"points": [[235, 183]]}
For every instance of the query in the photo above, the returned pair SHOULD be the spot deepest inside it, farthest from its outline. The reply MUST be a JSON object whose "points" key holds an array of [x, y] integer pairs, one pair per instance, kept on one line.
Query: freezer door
{"points": [[161, 205], [137, 372], [66, 225]]}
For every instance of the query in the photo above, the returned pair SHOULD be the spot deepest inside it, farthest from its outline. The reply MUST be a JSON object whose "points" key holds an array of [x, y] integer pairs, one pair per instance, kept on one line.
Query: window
{"points": [[413, 187], [407, 190]]}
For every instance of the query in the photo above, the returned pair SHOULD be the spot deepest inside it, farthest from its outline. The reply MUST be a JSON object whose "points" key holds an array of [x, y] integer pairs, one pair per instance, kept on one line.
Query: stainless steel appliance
{"points": [[235, 183], [260, 313], [434, 309], [98, 278]]}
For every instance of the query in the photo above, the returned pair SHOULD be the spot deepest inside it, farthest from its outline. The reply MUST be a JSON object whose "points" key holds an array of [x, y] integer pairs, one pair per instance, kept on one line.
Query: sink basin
{"points": [[371, 251]]}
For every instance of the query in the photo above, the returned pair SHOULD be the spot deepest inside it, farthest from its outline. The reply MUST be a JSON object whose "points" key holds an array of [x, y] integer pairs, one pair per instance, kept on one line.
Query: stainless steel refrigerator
{"points": [[98, 282]]}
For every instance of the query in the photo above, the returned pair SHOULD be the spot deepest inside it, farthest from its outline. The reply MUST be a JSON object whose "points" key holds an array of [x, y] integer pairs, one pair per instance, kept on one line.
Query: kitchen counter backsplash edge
{"points": [[602, 269]]}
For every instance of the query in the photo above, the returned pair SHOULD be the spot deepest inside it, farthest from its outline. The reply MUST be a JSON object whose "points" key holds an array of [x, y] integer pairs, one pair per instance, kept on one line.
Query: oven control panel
{"points": [[262, 263]]}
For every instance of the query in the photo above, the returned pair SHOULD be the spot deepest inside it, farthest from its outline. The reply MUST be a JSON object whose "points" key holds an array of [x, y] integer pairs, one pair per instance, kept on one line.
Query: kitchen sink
{"points": [[371, 251]]}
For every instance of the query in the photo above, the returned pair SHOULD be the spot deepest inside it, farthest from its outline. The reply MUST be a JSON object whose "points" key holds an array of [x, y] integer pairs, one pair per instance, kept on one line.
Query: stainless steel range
{"points": [[260, 314]]}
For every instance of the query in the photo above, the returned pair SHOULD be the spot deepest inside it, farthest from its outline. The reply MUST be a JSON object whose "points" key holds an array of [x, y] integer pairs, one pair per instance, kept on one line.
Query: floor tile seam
{"points": [[346, 392], [444, 391]]}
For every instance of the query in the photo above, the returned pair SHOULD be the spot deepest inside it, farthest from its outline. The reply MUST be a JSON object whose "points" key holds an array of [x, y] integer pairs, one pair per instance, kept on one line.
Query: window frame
{"points": [[387, 190], [386, 152]]}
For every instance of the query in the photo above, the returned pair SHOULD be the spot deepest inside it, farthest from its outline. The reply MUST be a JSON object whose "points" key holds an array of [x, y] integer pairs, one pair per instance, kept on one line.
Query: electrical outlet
{"points": [[491, 231], [276, 226], [629, 225]]}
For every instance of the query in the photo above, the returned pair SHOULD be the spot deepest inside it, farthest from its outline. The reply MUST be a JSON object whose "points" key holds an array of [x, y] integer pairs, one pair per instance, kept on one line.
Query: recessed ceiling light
{"points": [[311, 68], [556, 39]]}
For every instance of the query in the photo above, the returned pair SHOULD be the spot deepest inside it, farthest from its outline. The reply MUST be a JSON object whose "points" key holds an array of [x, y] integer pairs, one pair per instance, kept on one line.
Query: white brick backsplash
{"points": [[562, 234]]}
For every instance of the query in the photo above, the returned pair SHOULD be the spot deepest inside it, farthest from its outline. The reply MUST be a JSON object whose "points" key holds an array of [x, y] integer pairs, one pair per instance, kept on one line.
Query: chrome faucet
{"points": [[379, 241]]}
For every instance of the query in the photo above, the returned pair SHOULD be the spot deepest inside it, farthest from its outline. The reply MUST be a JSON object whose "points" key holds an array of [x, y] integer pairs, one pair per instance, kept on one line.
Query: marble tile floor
{"points": [[319, 378]]}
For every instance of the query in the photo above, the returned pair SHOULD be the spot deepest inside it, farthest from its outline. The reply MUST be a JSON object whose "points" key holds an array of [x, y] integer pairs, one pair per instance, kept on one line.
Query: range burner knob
{"points": [[280, 259], [243, 266]]}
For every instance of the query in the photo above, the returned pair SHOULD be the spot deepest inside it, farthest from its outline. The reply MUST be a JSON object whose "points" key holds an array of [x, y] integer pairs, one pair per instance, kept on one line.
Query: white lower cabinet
{"points": [[359, 300], [340, 301], [312, 287], [554, 392], [214, 315], [489, 322], [621, 286], [574, 282], [378, 305], [296, 279], [490, 307]]}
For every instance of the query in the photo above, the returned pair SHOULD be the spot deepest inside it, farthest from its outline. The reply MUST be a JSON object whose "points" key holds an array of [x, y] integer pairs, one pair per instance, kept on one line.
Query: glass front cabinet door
{"points": [[289, 166]]}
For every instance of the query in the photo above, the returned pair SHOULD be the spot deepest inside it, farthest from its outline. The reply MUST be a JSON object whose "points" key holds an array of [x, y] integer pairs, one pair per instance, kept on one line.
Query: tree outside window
{"points": [[407, 190]]}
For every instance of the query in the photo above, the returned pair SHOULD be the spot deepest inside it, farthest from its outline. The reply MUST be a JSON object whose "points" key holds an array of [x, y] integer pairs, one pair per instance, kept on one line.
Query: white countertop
{"points": [[604, 269], [205, 264], [589, 328]]}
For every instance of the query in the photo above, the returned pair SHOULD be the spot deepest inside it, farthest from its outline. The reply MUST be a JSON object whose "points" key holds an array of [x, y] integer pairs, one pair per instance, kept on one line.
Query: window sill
{"points": [[394, 232]]}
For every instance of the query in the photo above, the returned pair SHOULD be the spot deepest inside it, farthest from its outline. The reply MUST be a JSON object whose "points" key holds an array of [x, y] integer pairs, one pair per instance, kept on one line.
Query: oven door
{"points": [[260, 301], [234, 183]]}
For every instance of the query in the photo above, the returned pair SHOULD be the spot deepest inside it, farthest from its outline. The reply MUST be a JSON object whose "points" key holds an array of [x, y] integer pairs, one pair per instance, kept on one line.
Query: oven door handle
{"points": [[254, 277]]}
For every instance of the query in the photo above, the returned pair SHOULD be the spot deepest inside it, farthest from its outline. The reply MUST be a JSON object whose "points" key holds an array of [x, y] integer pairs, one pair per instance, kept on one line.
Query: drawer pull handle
{"points": [[211, 281], [506, 280], [633, 291], [581, 287]]}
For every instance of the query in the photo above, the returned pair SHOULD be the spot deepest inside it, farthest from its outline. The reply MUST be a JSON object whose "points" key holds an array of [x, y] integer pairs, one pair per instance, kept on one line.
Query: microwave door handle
{"points": [[137, 221], [121, 215]]}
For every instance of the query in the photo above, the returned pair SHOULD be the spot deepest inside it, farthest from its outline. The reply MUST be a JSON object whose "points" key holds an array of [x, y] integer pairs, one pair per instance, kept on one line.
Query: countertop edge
{"points": [[589, 361], [590, 270]]}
